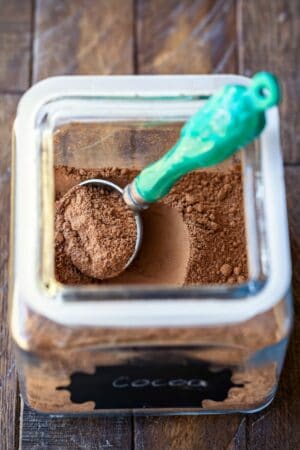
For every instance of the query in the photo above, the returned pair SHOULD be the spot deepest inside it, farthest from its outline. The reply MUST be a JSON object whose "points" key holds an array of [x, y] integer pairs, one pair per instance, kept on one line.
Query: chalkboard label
{"points": [[140, 384]]}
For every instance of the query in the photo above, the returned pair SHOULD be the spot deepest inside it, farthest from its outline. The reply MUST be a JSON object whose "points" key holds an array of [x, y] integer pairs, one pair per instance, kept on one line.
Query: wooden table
{"points": [[40, 38]]}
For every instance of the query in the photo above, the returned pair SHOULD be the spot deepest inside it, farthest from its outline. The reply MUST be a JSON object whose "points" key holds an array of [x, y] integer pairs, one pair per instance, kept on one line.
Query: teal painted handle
{"points": [[229, 120]]}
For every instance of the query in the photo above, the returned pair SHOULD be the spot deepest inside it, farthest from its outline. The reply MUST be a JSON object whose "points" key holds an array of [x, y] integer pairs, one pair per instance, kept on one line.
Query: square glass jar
{"points": [[137, 347]]}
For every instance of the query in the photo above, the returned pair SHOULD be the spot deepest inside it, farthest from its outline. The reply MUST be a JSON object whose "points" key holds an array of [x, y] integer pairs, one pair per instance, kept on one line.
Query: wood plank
{"points": [[194, 36], [80, 37], [15, 48], [276, 29], [8, 384], [83, 37], [190, 433], [269, 40], [93, 433], [278, 426]]}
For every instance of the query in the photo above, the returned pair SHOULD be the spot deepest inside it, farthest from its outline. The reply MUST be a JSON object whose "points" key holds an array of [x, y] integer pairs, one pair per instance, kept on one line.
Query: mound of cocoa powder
{"points": [[97, 229], [195, 235]]}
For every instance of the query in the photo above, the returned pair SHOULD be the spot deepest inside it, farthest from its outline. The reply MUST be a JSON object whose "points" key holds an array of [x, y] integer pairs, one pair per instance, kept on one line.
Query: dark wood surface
{"points": [[82, 37], [269, 36], [92, 433], [192, 36], [8, 380], [15, 45], [50, 37]]}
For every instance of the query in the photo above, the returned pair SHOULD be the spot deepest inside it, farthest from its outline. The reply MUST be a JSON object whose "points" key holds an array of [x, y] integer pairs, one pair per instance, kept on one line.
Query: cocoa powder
{"points": [[195, 235], [96, 230]]}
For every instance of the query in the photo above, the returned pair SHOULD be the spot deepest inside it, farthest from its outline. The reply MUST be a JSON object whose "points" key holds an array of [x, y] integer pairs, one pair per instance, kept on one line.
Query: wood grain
{"points": [[276, 29], [80, 37], [189, 432], [8, 384], [92, 433], [278, 426], [83, 37], [192, 36], [15, 45], [269, 34]]}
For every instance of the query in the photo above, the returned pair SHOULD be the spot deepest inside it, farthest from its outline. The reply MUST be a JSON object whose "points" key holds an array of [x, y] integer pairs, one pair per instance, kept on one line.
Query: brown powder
{"points": [[215, 223], [96, 230], [195, 235]]}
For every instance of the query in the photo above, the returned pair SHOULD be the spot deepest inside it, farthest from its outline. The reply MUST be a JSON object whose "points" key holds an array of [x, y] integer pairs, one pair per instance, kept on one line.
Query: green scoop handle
{"points": [[229, 120]]}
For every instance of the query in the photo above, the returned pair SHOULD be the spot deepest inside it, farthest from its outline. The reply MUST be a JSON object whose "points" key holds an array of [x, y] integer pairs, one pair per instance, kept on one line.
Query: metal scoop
{"points": [[229, 120]]}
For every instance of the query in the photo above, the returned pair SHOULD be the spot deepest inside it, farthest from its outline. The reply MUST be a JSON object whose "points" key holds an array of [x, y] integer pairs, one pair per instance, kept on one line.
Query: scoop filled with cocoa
{"points": [[99, 229], [101, 222]]}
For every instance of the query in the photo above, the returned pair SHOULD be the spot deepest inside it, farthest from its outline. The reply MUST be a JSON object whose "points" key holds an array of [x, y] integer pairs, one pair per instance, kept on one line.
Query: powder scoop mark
{"points": [[97, 230]]}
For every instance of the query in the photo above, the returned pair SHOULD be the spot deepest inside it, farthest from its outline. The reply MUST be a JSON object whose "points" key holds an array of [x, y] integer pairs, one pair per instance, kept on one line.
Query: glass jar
{"points": [[138, 347]]}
